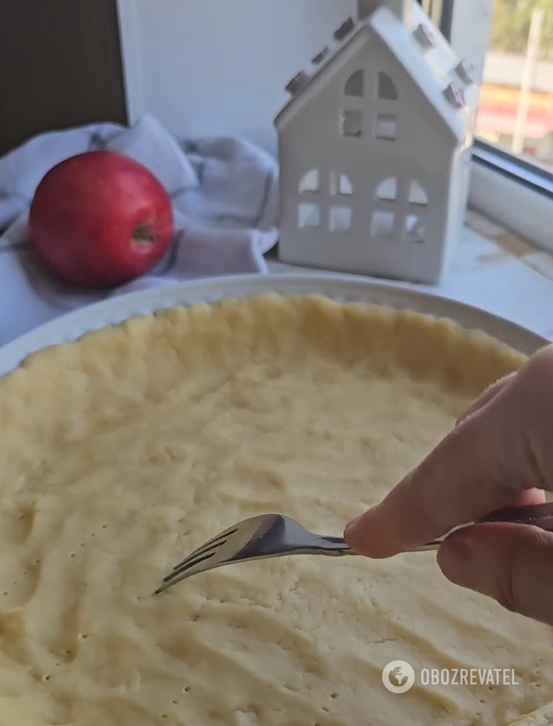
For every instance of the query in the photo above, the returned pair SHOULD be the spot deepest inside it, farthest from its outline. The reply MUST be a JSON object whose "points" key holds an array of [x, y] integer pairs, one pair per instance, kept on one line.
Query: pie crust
{"points": [[124, 451]]}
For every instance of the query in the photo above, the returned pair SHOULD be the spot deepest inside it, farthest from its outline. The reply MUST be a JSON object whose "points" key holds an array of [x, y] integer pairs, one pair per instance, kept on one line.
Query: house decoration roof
{"points": [[424, 35], [455, 95], [462, 71], [443, 77]]}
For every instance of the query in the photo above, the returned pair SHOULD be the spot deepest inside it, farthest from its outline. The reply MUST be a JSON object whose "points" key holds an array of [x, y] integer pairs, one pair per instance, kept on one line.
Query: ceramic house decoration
{"points": [[374, 148]]}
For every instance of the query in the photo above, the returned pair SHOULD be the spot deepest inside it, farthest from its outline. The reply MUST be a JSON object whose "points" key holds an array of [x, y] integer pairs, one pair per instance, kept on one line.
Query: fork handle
{"points": [[537, 515]]}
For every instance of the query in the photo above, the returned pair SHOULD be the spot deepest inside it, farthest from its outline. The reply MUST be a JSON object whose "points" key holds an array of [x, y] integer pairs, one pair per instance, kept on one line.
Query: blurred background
{"points": [[219, 66], [516, 106]]}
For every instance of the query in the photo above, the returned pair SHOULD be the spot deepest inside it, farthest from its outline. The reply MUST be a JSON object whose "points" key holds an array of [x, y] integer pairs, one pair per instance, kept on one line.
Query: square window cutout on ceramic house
{"points": [[351, 123], [402, 82], [309, 215], [382, 225], [415, 230], [386, 126], [340, 219]]}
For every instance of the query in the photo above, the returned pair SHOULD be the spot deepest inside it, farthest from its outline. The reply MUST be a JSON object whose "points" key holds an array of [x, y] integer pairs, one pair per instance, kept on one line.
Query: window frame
{"points": [[502, 184]]}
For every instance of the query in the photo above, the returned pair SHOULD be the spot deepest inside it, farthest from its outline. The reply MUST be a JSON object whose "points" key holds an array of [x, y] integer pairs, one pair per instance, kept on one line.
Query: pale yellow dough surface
{"points": [[121, 453]]}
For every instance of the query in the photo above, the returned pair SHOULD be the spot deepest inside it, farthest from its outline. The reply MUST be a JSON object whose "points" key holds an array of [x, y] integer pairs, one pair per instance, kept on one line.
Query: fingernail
{"points": [[362, 518], [350, 525], [456, 559]]}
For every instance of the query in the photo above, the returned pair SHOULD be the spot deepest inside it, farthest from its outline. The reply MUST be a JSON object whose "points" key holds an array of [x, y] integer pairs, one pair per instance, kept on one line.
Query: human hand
{"points": [[500, 454]]}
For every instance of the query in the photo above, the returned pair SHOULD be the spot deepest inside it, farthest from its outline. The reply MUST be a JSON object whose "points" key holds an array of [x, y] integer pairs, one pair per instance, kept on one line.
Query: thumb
{"points": [[510, 563]]}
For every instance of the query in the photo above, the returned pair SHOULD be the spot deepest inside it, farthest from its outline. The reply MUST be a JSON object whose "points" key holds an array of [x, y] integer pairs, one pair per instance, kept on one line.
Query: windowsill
{"points": [[492, 269]]}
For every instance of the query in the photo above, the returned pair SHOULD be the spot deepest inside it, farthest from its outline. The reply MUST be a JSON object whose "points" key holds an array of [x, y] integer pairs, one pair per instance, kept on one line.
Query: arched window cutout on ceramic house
{"points": [[340, 185], [417, 194], [387, 90], [354, 84], [387, 190], [310, 182]]}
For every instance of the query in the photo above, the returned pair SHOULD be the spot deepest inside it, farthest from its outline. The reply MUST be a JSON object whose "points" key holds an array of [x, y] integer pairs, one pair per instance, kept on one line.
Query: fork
{"points": [[275, 535]]}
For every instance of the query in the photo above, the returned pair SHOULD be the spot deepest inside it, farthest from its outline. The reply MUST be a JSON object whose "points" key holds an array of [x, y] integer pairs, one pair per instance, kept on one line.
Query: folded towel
{"points": [[225, 203]]}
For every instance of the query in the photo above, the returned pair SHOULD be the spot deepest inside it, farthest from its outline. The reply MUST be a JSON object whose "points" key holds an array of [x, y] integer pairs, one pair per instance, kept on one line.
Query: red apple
{"points": [[100, 219]]}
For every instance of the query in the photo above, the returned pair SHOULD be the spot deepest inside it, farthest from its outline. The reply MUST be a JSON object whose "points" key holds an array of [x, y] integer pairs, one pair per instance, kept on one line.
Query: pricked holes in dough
{"points": [[93, 534], [24, 582]]}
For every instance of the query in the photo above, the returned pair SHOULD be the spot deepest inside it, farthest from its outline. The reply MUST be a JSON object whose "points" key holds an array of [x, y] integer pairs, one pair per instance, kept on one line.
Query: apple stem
{"points": [[143, 236]]}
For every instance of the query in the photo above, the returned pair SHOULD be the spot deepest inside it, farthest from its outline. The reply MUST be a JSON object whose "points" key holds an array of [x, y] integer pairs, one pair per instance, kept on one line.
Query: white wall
{"points": [[219, 67]]}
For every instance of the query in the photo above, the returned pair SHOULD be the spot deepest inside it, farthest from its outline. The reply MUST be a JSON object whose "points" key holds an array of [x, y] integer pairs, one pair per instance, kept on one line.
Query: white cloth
{"points": [[225, 202]]}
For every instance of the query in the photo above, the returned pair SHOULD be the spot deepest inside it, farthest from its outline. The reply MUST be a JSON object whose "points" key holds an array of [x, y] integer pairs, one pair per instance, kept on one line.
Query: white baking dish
{"points": [[114, 311]]}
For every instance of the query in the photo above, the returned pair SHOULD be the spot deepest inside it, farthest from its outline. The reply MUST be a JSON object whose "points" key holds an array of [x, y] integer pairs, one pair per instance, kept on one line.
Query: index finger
{"points": [[475, 470]]}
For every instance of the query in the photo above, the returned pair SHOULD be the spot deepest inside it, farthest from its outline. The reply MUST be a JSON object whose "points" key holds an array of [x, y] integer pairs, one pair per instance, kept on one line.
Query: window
{"points": [[382, 224], [387, 90], [386, 126], [351, 123], [513, 152], [415, 231], [336, 185], [387, 190], [417, 195], [354, 84], [402, 199], [516, 105], [340, 185], [310, 182], [308, 215], [340, 219]]}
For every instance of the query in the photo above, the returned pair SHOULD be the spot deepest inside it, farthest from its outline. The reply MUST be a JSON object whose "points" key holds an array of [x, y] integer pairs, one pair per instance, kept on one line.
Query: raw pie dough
{"points": [[122, 452]]}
